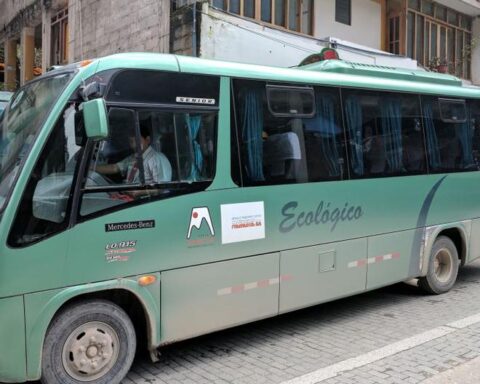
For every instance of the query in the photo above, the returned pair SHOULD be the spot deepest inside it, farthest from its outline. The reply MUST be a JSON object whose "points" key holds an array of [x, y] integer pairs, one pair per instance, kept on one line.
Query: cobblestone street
{"points": [[281, 349], [288, 348]]}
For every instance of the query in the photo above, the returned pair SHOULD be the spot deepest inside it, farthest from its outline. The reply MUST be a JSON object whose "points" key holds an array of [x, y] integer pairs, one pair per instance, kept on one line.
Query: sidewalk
{"points": [[467, 373]]}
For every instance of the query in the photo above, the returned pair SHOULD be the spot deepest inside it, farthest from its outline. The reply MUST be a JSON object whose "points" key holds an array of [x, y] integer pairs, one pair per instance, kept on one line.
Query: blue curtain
{"points": [[432, 140], [328, 127], [193, 123], [252, 128], [353, 114], [392, 133], [464, 134]]}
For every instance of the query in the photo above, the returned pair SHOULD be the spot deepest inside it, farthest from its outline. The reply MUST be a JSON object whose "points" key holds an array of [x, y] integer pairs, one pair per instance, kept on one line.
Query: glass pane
{"points": [[420, 39], [177, 157], [219, 4], [266, 10], [426, 44], [164, 87], [459, 53], [443, 44], [280, 12], [449, 142], [466, 22], [452, 17], [384, 134], [290, 101], [410, 34], [451, 50], [115, 161], [234, 6], [293, 14], [343, 11], [414, 4], [433, 42], [441, 12], [427, 7], [249, 8], [280, 150], [43, 209], [307, 12]]}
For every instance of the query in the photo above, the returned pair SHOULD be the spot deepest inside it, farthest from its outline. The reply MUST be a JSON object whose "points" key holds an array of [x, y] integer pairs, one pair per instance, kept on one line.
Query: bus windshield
{"points": [[21, 123]]}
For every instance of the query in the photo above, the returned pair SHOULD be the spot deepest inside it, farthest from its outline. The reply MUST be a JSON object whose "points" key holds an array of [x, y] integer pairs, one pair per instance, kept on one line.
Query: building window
{"points": [[60, 38], [437, 37], [294, 15], [343, 11]]}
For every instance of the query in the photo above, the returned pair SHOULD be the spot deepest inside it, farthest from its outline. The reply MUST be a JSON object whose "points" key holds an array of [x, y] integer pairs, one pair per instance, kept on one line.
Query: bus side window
{"points": [[384, 134], [449, 134], [278, 147], [169, 153]]}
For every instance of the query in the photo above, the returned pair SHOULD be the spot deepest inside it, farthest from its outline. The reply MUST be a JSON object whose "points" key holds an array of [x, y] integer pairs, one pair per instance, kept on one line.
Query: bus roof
{"points": [[328, 73]]}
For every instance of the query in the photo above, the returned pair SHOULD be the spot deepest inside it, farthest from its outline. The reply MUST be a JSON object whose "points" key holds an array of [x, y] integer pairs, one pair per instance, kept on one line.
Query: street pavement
{"points": [[392, 335]]}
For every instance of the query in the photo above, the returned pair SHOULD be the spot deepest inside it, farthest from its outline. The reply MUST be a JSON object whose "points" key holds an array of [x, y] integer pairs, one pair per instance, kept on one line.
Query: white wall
{"points": [[365, 28], [230, 38]]}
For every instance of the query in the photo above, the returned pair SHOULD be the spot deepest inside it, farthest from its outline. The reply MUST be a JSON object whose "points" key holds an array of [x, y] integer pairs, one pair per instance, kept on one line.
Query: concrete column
{"points": [[10, 64], [476, 51], [27, 43], [46, 38]]}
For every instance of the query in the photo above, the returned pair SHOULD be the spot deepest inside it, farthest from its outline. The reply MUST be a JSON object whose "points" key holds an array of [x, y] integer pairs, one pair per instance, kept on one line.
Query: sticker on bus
{"points": [[242, 222], [195, 100]]}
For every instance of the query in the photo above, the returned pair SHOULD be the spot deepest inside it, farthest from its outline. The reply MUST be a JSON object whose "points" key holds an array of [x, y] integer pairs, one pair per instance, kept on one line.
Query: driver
{"points": [[157, 168]]}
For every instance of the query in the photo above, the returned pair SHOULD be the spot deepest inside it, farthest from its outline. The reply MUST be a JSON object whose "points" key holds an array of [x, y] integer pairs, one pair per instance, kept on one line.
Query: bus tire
{"points": [[443, 267], [91, 341]]}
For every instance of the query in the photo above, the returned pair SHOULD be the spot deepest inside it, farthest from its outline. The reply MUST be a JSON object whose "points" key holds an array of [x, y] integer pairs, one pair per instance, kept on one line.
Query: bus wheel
{"points": [[442, 267], [93, 341]]}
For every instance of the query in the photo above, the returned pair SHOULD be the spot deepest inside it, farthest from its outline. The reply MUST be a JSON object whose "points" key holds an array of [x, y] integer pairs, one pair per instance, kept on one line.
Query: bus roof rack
{"points": [[380, 71]]}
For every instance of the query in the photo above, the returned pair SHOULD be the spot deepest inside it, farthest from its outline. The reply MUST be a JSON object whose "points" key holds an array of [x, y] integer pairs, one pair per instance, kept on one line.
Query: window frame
{"points": [[346, 6], [272, 22], [270, 88], [172, 185]]}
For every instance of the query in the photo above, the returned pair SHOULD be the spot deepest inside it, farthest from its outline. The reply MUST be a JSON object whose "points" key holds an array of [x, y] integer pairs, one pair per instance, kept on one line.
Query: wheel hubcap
{"points": [[90, 351], [443, 265]]}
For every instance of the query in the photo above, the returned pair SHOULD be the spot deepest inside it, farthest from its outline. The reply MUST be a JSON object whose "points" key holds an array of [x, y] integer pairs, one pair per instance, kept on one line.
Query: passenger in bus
{"points": [[374, 151], [156, 166]]}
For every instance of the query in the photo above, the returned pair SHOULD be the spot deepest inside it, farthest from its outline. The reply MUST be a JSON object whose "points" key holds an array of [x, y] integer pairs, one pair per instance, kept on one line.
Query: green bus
{"points": [[147, 199]]}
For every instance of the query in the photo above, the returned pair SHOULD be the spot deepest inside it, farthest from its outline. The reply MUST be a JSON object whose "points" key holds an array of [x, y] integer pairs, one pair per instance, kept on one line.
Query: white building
{"points": [[283, 32]]}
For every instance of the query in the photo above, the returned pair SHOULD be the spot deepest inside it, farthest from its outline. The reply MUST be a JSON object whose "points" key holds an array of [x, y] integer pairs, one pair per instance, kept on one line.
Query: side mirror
{"points": [[95, 119]]}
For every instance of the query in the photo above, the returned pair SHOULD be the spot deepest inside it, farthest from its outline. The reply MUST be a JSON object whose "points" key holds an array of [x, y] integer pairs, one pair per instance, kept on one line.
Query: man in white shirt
{"points": [[156, 167]]}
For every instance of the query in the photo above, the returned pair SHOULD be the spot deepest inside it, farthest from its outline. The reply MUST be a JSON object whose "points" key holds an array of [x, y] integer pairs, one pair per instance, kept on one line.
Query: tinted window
{"points": [[291, 101], [165, 88], [449, 142], [384, 133], [343, 9], [277, 149], [452, 111], [473, 118], [150, 154]]}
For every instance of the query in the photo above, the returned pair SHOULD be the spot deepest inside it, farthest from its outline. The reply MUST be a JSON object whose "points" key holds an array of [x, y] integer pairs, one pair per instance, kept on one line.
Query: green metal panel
{"points": [[41, 307], [210, 297], [12, 335], [321, 273], [393, 257], [382, 80]]}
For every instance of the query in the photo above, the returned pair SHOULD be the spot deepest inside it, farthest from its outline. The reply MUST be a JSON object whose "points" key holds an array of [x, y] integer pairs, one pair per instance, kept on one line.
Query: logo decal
{"points": [[198, 215], [119, 251]]}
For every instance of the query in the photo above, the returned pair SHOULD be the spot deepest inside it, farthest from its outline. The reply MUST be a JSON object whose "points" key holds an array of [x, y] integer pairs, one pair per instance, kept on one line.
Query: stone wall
{"points": [[99, 28]]}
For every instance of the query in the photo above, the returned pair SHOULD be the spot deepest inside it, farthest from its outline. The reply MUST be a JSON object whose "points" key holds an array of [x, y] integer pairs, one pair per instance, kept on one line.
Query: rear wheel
{"points": [[442, 267], [90, 342]]}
